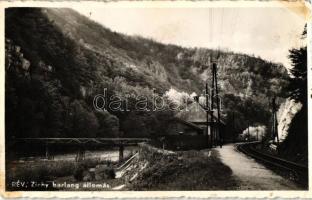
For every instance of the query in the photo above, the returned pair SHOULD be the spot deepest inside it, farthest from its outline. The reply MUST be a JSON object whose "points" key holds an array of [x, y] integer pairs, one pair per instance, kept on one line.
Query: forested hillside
{"points": [[58, 60]]}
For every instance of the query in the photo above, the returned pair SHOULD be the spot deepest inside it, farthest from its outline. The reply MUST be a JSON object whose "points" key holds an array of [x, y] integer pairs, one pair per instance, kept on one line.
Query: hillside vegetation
{"points": [[57, 61]]}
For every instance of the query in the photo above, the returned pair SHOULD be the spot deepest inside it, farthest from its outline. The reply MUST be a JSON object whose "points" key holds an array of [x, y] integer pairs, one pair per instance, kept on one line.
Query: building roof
{"points": [[190, 124], [195, 113]]}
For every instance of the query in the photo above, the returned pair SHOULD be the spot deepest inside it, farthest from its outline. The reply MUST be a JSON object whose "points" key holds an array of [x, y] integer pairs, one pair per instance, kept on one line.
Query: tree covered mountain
{"points": [[57, 61]]}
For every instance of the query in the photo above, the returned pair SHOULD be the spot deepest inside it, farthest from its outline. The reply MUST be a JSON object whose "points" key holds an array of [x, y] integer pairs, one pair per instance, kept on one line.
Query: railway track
{"points": [[298, 171]]}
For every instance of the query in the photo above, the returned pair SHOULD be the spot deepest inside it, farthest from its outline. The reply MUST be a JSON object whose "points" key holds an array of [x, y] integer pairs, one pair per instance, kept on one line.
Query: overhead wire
{"points": [[212, 30], [235, 21], [221, 33]]}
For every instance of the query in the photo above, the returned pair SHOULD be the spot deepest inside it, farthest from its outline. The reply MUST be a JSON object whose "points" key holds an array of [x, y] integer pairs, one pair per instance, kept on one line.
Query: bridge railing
{"points": [[103, 141]]}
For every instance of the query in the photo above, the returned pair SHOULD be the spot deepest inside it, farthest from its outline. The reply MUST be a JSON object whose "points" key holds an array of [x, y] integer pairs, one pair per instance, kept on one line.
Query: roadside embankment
{"points": [[183, 170]]}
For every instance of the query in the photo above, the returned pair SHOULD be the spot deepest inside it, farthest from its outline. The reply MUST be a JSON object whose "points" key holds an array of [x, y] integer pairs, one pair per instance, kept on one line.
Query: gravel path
{"points": [[250, 174]]}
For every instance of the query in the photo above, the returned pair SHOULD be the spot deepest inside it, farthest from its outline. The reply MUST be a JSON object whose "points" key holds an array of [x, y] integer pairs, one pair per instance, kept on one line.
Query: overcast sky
{"points": [[265, 32]]}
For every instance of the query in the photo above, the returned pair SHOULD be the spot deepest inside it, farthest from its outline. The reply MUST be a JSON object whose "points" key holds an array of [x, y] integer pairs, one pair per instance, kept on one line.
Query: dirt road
{"points": [[250, 174]]}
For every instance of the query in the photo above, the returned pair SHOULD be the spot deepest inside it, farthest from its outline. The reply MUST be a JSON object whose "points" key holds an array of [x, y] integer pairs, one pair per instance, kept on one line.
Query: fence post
{"points": [[46, 150], [121, 152]]}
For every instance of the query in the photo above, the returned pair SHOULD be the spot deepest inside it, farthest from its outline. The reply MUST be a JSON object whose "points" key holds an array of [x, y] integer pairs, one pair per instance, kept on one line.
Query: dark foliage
{"points": [[297, 86], [78, 173], [295, 146]]}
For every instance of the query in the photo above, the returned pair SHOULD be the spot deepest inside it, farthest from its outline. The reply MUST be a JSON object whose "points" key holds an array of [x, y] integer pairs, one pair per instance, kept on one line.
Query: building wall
{"points": [[184, 137], [178, 128], [225, 131], [186, 142]]}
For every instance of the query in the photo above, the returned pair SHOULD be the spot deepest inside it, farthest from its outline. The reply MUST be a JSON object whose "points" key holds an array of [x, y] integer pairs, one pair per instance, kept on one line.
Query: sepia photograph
{"points": [[162, 97]]}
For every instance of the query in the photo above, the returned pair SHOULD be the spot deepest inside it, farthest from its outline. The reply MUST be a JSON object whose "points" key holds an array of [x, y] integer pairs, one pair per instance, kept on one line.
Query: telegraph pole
{"points": [[211, 109], [275, 124], [212, 132], [215, 91], [248, 133], [220, 138], [233, 130], [207, 115]]}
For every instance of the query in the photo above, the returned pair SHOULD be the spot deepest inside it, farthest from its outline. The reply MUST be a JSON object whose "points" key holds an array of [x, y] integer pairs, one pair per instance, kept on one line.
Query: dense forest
{"points": [[57, 61]]}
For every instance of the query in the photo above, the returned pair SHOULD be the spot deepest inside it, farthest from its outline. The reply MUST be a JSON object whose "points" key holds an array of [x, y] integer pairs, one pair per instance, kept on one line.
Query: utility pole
{"points": [[211, 110], [213, 131], [275, 124], [207, 116], [248, 133], [215, 91], [220, 137], [233, 128]]}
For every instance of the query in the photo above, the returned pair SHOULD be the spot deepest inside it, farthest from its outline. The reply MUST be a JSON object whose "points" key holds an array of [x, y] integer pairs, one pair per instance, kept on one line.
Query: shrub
{"points": [[110, 172], [103, 172], [61, 168], [78, 173]]}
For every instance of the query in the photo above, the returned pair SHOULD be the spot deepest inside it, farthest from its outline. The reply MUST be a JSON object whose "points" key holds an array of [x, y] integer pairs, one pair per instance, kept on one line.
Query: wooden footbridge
{"points": [[81, 143]]}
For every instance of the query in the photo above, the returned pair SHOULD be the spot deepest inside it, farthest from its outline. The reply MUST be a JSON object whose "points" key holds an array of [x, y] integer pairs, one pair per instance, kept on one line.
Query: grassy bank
{"points": [[187, 170]]}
